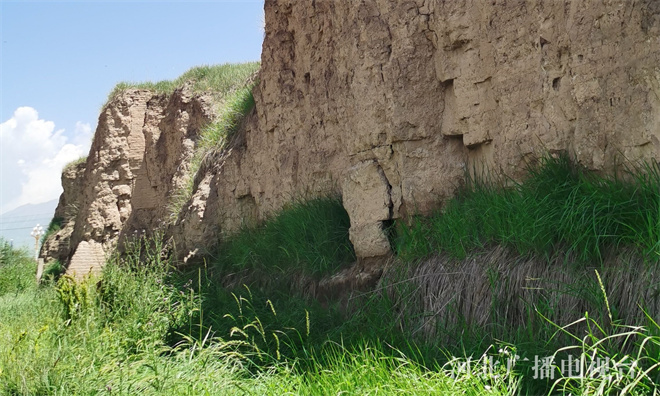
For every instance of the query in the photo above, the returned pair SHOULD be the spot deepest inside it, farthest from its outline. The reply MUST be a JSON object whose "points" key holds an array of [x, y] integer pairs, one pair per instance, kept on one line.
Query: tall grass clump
{"points": [[139, 295], [608, 358], [308, 236], [559, 207]]}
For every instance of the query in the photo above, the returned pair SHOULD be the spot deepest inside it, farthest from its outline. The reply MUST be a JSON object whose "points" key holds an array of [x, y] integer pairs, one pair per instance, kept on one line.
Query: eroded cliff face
{"points": [[140, 155], [58, 245], [387, 103]]}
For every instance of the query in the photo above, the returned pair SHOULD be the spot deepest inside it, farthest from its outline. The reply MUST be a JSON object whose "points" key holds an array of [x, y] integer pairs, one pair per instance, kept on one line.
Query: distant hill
{"points": [[17, 224]]}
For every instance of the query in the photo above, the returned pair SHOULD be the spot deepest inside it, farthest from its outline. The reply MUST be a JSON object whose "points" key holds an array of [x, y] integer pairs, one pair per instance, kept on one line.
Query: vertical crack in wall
{"points": [[387, 225], [389, 203]]}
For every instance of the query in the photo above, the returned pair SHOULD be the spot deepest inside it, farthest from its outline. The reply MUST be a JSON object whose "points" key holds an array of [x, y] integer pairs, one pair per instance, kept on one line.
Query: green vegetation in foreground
{"points": [[117, 336], [147, 328], [559, 208], [214, 79], [140, 330], [17, 269]]}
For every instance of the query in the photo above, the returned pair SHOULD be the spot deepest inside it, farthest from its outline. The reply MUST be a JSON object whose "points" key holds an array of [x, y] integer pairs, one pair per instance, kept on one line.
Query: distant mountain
{"points": [[17, 224]]}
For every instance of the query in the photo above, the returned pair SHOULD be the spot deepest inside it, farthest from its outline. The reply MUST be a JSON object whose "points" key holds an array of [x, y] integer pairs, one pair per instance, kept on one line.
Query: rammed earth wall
{"points": [[386, 103]]}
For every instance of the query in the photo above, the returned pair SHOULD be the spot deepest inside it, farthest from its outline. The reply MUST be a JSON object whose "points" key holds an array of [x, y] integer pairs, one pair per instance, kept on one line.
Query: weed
{"points": [[76, 297]]}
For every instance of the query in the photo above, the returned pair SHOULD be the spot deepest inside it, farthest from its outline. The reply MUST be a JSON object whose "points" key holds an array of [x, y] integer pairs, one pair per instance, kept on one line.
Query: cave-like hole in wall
{"points": [[556, 83]]}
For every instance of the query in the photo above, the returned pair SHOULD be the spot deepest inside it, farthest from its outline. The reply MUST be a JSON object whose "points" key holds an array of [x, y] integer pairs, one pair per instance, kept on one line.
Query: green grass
{"points": [[147, 327], [311, 237], [134, 331], [213, 79], [17, 269], [558, 208], [308, 236]]}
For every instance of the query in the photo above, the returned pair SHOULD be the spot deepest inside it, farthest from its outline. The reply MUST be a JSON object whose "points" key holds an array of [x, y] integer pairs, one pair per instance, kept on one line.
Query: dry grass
{"points": [[500, 288]]}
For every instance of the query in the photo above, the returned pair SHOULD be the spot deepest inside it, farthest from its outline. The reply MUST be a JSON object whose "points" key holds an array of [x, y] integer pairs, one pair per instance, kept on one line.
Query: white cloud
{"points": [[82, 135], [32, 155]]}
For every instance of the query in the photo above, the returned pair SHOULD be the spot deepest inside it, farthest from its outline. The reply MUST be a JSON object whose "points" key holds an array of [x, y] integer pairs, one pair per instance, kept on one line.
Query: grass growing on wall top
{"points": [[559, 206], [216, 79], [75, 162]]}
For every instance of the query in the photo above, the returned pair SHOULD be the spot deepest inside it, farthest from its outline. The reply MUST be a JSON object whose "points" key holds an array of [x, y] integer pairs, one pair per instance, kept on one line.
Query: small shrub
{"points": [[75, 296]]}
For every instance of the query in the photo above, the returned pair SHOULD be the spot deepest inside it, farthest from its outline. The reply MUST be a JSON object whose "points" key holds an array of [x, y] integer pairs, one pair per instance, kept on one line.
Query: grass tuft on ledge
{"points": [[74, 163]]}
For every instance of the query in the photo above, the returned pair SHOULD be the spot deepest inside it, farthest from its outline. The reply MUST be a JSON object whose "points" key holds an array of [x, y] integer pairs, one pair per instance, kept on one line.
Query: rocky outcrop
{"points": [[389, 104]]}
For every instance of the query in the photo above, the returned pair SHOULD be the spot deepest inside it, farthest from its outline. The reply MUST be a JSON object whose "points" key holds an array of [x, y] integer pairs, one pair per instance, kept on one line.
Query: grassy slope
{"points": [[150, 329]]}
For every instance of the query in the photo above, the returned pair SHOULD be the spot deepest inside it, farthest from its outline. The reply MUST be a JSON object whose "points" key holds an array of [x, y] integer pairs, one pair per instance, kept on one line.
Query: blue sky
{"points": [[59, 61]]}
